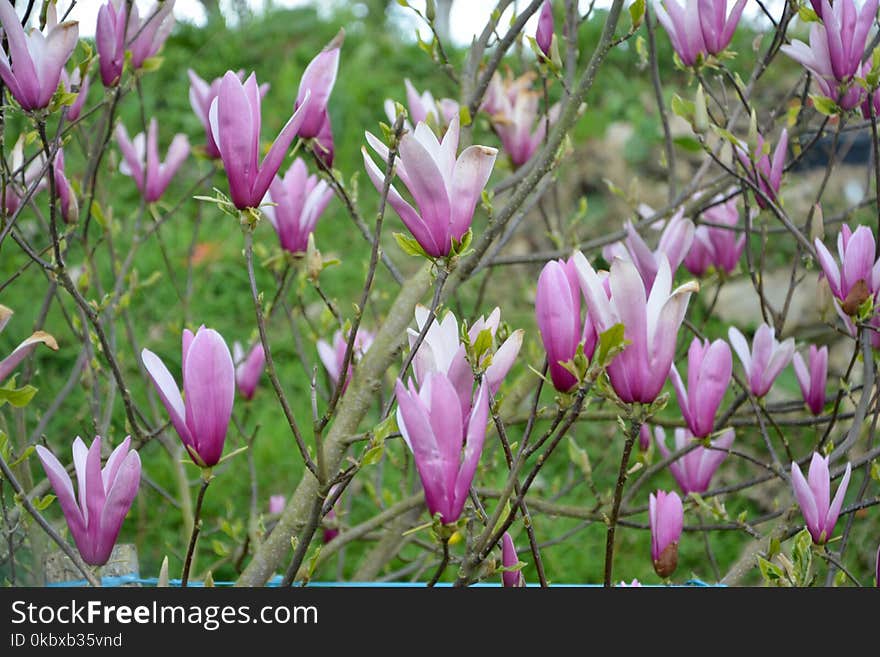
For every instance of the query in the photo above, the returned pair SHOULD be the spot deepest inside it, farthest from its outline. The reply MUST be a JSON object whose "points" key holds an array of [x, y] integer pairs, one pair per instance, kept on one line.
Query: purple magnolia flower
{"points": [[141, 160], [442, 351], [837, 44], [675, 242], [81, 85], [857, 278], [700, 27], [813, 495], [201, 95], [445, 189], [110, 41], [277, 504], [235, 125], [544, 33], [446, 444], [298, 200], [651, 323], [666, 518], [693, 472], [37, 59], [633, 583], [423, 108], [765, 174], [644, 437], [22, 351], [209, 388], [510, 578], [715, 246], [22, 177], [105, 494], [248, 368], [66, 196], [333, 357], [710, 367], [514, 109], [317, 84], [766, 359], [812, 379], [558, 309], [145, 37]]}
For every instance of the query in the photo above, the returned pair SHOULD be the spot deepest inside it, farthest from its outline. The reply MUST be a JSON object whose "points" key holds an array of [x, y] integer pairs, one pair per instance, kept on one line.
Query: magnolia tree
{"points": [[461, 413]]}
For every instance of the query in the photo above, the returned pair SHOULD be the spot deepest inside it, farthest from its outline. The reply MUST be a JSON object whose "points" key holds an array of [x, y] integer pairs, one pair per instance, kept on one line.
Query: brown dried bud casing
{"points": [[858, 294], [666, 564]]}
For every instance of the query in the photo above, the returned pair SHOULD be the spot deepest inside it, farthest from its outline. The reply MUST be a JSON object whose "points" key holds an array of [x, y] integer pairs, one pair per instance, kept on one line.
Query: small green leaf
{"points": [[637, 13], [373, 455], [19, 397], [464, 116], [151, 64], [771, 573], [42, 503], [687, 143], [385, 428], [611, 343], [683, 107], [482, 344], [825, 105], [409, 245]]}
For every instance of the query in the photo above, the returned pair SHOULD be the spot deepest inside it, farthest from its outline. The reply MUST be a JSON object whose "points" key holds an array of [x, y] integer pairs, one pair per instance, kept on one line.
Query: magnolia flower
{"points": [[105, 494], [812, 378], [37, 59], [81, 84], [294, 204], [515, 115], [544, 33], [423, 108], [666, 519], [442, 351], [141, 160], [209, 387], [446, 443], [766, 174], [509, 559], [813, 495], [837, 45], [110, 41], [201, 95], [675, 242], [767, 358], [700, 27], [651, 323], [693, 472], [714, 245], [317, 83], [145, 37], [236, 118], [710, 367], [276, 504], [67, 202], [558, 310], [857, 278], [333, 356], [248, 368], [22, 351], [445, 189]]}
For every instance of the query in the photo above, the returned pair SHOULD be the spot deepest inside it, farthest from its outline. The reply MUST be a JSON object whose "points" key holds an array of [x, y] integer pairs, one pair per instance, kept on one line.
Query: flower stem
{"points": [[634, 428], [197, 527], [443, 563]]}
